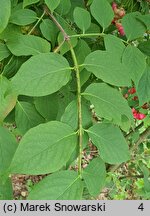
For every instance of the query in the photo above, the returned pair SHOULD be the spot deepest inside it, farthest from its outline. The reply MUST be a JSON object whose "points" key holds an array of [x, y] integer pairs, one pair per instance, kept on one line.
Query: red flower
{"points": [[134, 111], [121, 12], [120, 28], [121, 31], [132, 90], [114, 5], [138, 115]]}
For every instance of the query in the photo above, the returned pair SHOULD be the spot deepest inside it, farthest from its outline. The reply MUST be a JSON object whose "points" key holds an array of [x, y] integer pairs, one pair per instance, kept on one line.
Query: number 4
{"points": [[141, 207]]}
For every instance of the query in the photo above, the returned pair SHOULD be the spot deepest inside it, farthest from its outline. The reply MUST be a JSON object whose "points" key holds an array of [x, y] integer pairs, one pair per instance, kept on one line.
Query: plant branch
{"points": [[66, 36], [131, 176], [76, 68], [133, 131], [142, 138]]}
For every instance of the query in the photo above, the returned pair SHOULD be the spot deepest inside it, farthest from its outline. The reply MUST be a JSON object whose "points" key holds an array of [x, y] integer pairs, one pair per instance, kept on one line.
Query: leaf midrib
{"points": [[68, 187], [49, 147]]}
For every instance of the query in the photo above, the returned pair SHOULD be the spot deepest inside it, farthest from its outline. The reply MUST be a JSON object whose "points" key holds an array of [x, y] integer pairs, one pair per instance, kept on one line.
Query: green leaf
{"points": [[63, 7], [72, 160], [94, 28], [4, 52], [146, 178], [70, 115], [132, 26], [13, 66], [47, 106], [42, 74], [7, 98], [145, 47], [44, 149], [82, 50], [8, 147], [102, 12], [110, 142], [29, 2], [9, 30], [106, 66], [125, 123], [14, 3], [137, 63], [108, 102], [24, 45], [143, 88], [6, 190], [52, 4], [5, 11], [115, 46], [26, 116], [146, 121], [89, 2], [94, 176], [65, 96], [63, 185], [145, 19], [82, 18], [74, 4], [49, 30], [23, 17], [84, 76]]}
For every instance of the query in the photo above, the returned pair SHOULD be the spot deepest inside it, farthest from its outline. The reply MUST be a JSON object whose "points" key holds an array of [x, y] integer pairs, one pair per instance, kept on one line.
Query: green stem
{"points": [[76, 68], [88, 35], [57, 49], [79, 107], [94, 35], [39, 20]]}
